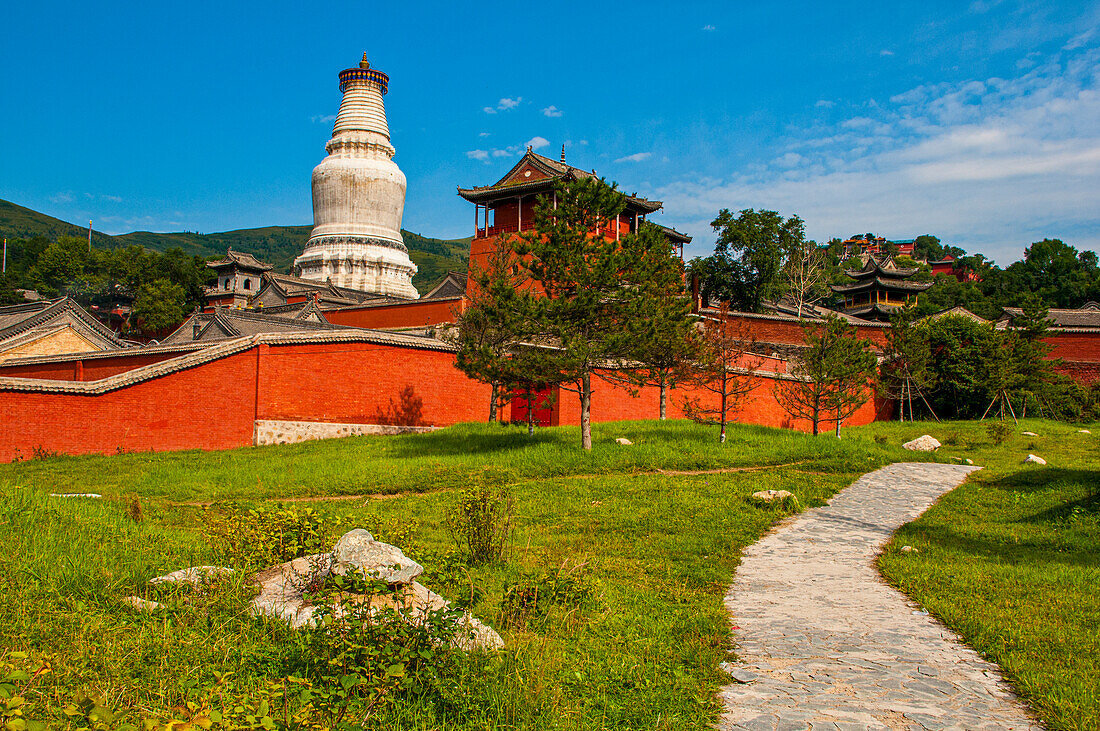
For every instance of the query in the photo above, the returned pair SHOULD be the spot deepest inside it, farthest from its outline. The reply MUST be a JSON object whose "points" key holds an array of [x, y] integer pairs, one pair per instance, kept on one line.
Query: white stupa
{"points": [[358, 197]]}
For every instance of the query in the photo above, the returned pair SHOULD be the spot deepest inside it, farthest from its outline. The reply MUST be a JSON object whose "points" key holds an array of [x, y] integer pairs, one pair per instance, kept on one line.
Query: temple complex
{"points": [[359, 197], [880, 288]]}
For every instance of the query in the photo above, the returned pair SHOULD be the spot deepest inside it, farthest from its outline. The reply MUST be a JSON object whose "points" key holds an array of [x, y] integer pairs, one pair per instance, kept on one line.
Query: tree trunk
{"points": [[838, 427], [722, 416], [664, 396], [530, 412], [586, 409], [493, 403], [816, 416]]}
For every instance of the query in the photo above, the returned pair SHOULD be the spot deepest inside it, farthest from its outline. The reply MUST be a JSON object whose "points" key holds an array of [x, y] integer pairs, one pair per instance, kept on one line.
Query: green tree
{"points": [[724, 370], [663, 344], [485, 331], [906, 359], [746, 268], [834, 375], [159, 305], [959, 348], [586, 289]]}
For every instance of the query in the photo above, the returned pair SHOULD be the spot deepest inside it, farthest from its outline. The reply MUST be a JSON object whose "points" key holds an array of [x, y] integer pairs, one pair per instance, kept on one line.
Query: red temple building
{"points": [[508, 205]]}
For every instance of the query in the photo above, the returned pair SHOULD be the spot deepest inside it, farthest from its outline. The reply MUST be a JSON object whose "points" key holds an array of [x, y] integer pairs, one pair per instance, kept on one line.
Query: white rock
{"points": [[968, 461], [624, 441], [1083, 431], [771, 496], [142, 605], [282, 588], [75, 494], [194, 575], [909, 549], [357, 549], [1029, 434], [926, 443], [1035, 460]]}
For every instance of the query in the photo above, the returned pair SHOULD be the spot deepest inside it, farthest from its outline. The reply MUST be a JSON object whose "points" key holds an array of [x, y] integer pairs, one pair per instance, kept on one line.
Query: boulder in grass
{"points": [[194, 576], [623, 441], [968, 461], [772, 496], [1032, 459], [909, 549], [142, 605], [283, 589], [1029, 434], [1083, 431], [357, 549], [925, 443]]}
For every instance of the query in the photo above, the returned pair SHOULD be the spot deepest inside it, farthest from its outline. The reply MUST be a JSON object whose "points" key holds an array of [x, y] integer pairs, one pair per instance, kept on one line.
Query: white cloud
{"points": [[636, 157], [112, 198], [536, 143], [708, 27], [552, 111], [482, 134], [477, 154], [322, 118], [62, 197], [503, 105], [991, 165], [886, 52], [824, 104]]}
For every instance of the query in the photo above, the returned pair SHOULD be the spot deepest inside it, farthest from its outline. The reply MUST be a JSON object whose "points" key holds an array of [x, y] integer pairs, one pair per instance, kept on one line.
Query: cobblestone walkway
{"points": [[824, 643]]}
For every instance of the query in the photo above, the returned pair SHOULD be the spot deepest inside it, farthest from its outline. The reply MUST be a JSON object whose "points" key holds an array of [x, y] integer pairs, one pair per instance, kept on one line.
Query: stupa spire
{"points": [[359, 196]]}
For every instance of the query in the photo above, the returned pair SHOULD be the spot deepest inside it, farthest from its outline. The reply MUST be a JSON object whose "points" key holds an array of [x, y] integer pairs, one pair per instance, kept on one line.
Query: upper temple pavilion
{"points": [[880, 288], [508, 205]]}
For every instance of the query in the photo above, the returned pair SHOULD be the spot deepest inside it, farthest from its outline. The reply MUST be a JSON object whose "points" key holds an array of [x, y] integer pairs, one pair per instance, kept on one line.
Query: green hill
{"points": [[277, 245]]}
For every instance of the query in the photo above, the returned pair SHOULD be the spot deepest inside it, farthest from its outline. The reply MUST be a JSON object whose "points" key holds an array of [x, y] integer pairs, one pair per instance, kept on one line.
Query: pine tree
{"points": [[724, 368], [906, 365], [835, 371], [485, 330], [587, 288]]}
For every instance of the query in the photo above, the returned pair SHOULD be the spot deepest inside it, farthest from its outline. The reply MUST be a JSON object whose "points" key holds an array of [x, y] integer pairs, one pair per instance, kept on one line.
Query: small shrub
{"points": [[999, 432], [40, 452], [262, 537], [534, 595], [481, 519], [953, 439], [133, 509], [880, 439]]}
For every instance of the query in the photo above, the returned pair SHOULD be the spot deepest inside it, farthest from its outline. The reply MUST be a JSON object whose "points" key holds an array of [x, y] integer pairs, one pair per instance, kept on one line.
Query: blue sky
{"points": [[977, 122]]}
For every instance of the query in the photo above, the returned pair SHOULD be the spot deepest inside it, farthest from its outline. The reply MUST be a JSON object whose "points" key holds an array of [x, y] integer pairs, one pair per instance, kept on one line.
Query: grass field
{"points": [[656, 550]]}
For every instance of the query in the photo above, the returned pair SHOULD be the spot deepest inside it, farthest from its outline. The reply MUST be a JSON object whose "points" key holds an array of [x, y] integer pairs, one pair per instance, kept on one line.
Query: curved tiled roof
{"points": [[218, 351], [18, 319], [553, 170]]}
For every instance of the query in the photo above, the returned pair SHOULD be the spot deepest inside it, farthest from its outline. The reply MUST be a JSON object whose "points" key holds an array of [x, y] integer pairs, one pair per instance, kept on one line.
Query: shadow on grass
{"points": [[1034, 480], [1030, 551]]}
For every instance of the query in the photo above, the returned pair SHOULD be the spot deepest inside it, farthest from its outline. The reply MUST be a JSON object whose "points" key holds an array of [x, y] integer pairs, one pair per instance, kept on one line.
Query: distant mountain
{"points": [[277, 245]]}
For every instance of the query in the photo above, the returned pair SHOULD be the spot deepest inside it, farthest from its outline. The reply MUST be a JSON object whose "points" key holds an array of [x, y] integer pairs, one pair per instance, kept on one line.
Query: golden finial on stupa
{"points": [[364, 64]]}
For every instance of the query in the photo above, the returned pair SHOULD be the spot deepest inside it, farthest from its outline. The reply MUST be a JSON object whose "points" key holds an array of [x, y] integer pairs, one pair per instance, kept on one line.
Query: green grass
{"points": [[1011, 561], [660, 548]]}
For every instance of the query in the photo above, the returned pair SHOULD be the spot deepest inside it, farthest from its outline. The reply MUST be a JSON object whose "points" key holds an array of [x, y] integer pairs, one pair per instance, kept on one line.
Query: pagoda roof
{"points": [[240, 259], [674, 235], [879, 309], [884, 266], [547, 170], [19, 320], [881, 283]]}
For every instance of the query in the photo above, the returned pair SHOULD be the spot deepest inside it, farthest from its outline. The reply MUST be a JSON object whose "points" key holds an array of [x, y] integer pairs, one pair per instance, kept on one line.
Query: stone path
{"points": [[824, 643]]}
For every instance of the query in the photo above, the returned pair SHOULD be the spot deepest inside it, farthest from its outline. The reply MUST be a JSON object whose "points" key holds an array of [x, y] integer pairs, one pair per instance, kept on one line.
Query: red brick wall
{"points": [[789, 332], [412, 314], [363, 383], [1083, 347], [612, 402], [208, 407]]}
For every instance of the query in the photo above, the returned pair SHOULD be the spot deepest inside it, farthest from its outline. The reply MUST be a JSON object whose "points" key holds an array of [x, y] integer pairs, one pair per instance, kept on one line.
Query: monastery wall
{"points": [[415, 313], [270, 392], [208, 407]]}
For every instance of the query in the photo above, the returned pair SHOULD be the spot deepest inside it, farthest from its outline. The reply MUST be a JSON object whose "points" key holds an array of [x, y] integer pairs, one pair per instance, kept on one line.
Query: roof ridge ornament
{"points": [[364, 64]]}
